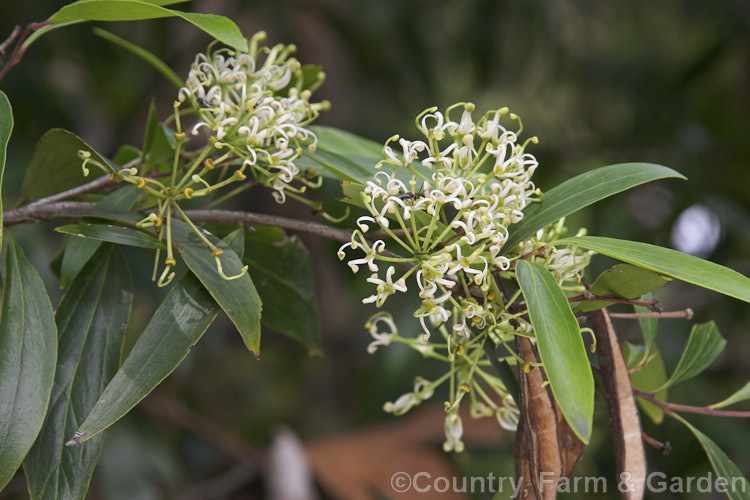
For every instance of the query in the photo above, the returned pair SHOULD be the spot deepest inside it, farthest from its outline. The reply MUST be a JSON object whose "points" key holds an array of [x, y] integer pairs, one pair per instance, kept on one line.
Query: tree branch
{"points": [[703, 410]]}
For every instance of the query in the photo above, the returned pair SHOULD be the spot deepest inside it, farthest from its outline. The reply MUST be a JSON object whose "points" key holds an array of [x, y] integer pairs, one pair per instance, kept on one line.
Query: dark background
{"points": [[599, 83]]}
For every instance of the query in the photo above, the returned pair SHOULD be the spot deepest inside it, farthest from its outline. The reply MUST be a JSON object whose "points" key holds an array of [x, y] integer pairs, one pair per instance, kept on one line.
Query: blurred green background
{"points": [[598, 82]]}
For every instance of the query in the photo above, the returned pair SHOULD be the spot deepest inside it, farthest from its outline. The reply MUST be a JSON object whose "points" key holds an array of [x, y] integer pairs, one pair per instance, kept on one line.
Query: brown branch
{"points": [[9, 41], [250, 218], [670, 408], [664, 448], [685, 313], [590, 297], [44, 212], [19, 49], [101, 182]]}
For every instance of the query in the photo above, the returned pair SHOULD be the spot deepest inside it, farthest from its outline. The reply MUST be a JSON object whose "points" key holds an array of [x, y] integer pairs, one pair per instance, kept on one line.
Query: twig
{"points": [[590, 297], [19, 49], [9, 41], [664, 448], [44, 212], [670, 408], [249, 218], [686, 313], [101, 182]]}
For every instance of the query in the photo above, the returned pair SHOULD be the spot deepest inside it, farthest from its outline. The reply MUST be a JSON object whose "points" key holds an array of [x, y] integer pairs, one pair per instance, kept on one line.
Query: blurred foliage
{"points": [[598, 82]]}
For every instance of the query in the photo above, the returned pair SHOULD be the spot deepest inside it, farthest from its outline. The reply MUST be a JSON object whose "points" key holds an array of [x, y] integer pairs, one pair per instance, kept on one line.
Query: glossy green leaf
{"points": [[739, 396], [238, 297], [735, 484], [623, 281], [704, 346], [668, 262], [651, 377], [28, 350], [342, 155], [333, 165], [55, 165], [91, 319], [347, 144], [176, 326], [582, 191], [220, 27], [560, 345], [6, 127], [113, 234], [282, 272], [144, 54], [78, 251]]}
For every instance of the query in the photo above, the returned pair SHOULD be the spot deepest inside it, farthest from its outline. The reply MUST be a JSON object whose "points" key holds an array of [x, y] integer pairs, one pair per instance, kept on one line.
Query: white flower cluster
{"points": [[445, 208], [469, 182], [257, 109]]}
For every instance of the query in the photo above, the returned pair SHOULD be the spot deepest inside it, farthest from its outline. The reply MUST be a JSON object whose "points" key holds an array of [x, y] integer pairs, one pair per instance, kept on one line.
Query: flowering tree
{"points": [[452, 216]]}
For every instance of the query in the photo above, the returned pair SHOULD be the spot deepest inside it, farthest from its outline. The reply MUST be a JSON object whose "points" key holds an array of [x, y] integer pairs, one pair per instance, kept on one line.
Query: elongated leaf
{"points": [[282, 272], [735, 484], [78, 251], [237, 297], [560, 346], [739, 396], [669, 263], [347, 144], [113, 234], [583, 190], [220, 27], [623, 281], [56, 166], [333, 165], [144, 54], [28, 350], [6, 127], [91, 319], [176, 326], [703, 347]]}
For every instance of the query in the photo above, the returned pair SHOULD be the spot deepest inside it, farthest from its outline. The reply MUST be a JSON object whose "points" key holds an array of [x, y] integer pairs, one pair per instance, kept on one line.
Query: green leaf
{"points": [[91, 319], [28, 350], [668, 262], [651, 377], [560, 346], [737, 487], [739, 396], [78, 251], [345, 168], [144, 54], [342, 155], [282, 272], [220, 27], [583, 190], [623, 281], [113, 234], [55, 165], [238, 297], [345, 143], [703, 347], [176, 326], [6, 127]]}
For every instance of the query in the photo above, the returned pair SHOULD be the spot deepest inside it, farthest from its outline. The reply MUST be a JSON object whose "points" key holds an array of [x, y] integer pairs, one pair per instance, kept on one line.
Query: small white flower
{"points": [[454, 430]]}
